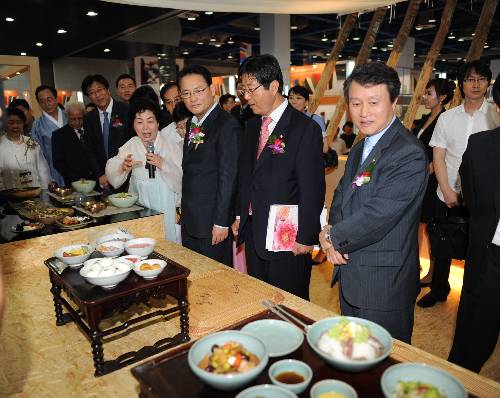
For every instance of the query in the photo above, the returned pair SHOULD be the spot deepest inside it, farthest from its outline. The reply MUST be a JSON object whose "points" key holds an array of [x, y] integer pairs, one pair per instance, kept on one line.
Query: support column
{"points": [[275, 40]]}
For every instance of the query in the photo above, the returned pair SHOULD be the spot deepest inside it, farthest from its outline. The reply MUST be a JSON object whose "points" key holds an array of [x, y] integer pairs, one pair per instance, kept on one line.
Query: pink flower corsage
{"points": [[277, 144], [365, 176], [196, 135], [117, 122]]}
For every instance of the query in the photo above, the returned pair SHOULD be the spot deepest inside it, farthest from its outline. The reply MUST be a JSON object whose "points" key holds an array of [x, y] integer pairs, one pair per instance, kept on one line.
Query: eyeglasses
{"points": [[99, 90], [250, 91], [195, 93], [472, 80]]}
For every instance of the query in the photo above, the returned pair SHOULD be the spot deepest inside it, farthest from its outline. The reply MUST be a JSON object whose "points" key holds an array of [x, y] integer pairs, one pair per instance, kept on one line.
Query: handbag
{"points": [[449, 237]]}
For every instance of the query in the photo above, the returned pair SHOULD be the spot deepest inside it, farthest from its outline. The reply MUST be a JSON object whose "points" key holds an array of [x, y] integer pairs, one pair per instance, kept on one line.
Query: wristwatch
{"points": [[327, 235]]}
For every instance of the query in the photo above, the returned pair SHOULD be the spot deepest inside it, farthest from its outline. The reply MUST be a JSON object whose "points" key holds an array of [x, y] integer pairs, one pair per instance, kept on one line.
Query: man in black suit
{"points": [[243, 112], [478, 319], [106, 128], [209, 165], [294, 176], [68, 151]]}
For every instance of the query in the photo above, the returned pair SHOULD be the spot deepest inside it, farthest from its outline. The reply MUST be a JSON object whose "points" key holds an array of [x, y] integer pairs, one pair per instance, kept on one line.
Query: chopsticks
{"points": [[285, 315]]}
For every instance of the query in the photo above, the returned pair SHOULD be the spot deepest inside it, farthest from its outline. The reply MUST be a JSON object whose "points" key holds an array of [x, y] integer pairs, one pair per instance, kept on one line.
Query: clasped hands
{"points": [[332, 255], [152, 158]]}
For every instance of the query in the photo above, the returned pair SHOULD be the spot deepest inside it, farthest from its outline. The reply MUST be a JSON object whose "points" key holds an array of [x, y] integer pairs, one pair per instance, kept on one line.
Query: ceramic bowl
{"points": [[149, 274], [119, 236], [133, 259], [322, 326], [443, 381], [231, 381], [107, 282], [140, 246], [111, 249], [267, 391], [84, 186], [123, 199], [74, 261], [332, 386], [291, 365]]}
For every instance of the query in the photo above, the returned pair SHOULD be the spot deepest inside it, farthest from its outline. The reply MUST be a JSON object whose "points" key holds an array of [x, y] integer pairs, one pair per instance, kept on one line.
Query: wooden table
{"points": [[43, 360]]}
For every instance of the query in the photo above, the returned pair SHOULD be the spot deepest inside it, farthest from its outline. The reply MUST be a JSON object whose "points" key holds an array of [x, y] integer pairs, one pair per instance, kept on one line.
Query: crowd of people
{"points": [[223, 164]]}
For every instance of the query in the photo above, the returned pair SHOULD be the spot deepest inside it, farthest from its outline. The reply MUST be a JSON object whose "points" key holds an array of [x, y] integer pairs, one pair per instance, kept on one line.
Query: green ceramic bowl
{"points": [[266, 391], [332, 385], [443, 381], [291, 365], [123, 199], [83, 186]]}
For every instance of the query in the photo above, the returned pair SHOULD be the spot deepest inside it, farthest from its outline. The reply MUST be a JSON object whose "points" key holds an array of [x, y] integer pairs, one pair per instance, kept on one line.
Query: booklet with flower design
{"points": [[282, 227]]}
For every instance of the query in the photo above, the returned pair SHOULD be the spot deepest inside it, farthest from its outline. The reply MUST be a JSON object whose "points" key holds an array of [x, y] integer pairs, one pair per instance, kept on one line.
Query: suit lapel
{"points": [[495, 162], [281, 129], [205, 126]]}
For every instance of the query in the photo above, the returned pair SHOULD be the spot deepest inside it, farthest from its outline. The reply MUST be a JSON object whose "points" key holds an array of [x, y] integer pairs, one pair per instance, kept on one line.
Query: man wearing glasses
{"points": [[449, 141], [52, 118], [281, 163], [209, 165], [106, 128]]}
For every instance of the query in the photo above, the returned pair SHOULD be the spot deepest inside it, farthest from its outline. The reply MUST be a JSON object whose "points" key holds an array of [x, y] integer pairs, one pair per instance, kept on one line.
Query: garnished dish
{"points": [[139, 246], [229, 358], [26, 227], [110, 249], [149, 267], [350, 340], [416, 389], [37, 211], [107, 248], [74, 255], [79, 251], [75, 220], [106, 272]]}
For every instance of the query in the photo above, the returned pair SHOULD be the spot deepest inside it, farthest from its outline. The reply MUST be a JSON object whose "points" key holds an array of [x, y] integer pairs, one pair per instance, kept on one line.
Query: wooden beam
{"points": [[476, 48], [362, 58], [404, 32], [426, 71], [332, 61]]}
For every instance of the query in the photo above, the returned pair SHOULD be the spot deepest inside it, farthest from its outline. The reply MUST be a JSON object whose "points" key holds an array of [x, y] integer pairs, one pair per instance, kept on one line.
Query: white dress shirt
{"points": [[200, 122], [109, 109], [276, 116]]}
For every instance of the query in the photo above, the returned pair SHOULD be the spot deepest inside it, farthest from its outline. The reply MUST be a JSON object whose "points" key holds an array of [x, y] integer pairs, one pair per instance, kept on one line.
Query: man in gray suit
{"points": [[372, 236]]}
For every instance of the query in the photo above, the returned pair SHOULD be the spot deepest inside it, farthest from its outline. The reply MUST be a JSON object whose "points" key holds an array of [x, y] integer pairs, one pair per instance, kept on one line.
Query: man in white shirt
{"points": [[478, 319], [449, 140]]}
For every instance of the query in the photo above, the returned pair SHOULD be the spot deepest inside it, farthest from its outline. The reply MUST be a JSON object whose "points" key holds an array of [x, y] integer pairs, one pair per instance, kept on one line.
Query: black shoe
{"points": [[429, 300]]}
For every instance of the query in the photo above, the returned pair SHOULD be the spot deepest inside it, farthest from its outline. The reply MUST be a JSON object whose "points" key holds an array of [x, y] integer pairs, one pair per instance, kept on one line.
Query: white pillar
{"points": [[275, 40], [405, 64]]}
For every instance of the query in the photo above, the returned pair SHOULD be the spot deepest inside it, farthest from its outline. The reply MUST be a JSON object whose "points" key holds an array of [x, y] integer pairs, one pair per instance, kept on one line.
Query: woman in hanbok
{"points": [[159, 190], [22, 163]]}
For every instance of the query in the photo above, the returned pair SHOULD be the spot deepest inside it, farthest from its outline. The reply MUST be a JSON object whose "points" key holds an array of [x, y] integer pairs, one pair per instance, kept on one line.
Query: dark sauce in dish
{"points": [[289, 378]]}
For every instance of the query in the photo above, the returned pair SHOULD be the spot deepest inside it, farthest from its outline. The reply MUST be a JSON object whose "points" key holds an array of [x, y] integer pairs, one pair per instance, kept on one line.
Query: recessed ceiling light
{"points": [[218, 45], [333, 40], [444, 60], [200, 43], [229, 56], [340, 55], [414, 54], [256, 28], [461, 39], [191, 19], [186, 52], [92, 14], [212, 39], [324, 38], [294, 27], [431, 20], [356, 38], [23, 53], [107, 50], [459, 59], [418, 28], [209, 12], [390, 45], [162, 55], [451, 36], [374, 48], [39, 44], [62, 31], [473, 34], [315, 56], [9, 19], [230, 41], [486, 45], [292, 49]]}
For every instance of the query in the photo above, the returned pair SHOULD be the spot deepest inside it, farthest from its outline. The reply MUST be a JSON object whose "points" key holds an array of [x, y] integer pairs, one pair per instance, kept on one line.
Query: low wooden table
{"points": [[93, 304]]}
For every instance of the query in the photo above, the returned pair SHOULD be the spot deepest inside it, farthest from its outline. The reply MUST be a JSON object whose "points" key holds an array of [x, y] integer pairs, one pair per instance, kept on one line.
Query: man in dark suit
{"points": [[209, 165], [68, 151], [243, 112], [373, 233], [478, 319], [106, 128], [295, 177]]}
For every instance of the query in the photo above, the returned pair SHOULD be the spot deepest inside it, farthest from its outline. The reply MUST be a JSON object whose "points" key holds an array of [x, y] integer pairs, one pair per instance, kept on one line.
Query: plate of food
{"points": [[74, 222], [27, 227]]}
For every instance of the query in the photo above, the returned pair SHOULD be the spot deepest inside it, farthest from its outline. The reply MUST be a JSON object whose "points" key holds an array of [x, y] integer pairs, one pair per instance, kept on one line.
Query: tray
{"points": [[30, 214], [71, 227], [109, 210], [70, 199]]}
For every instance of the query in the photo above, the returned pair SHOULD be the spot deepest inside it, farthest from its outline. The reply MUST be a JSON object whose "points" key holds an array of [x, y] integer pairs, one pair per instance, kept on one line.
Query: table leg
{"points": [[184, 317], [97, 352], [56, 293]]}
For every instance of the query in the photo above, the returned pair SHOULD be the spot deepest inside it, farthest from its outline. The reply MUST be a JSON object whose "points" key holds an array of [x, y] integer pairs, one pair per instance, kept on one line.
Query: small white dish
{"points": [[111, 248], [149, 274], [73, 261], [140, 246]]}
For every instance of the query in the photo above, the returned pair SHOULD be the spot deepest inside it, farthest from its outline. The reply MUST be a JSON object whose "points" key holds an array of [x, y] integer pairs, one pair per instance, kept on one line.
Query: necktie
{"points": [[105, 133], [264, 134], [367, 148], [79, 133]]}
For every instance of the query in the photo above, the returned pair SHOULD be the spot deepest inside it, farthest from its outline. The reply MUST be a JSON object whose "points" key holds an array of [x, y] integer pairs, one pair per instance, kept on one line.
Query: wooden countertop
{"points": [[43, 360]]}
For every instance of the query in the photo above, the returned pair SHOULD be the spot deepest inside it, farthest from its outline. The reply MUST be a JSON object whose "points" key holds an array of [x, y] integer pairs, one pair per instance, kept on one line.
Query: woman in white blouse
{"points": [[22, 163], [161, 192]]}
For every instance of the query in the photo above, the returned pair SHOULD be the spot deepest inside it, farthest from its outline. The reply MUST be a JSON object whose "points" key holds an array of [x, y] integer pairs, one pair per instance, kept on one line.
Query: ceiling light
{"points": [[461, 39], [486, 45], [459, 59], [186, 52], [292, 49], [431, 20], [451, 36], [92, 14], [473, 34], [162, 54], [9, 19], [418, 28], [7, 77], [315, 56], [294, 27], [414, 54], [324, 38], [444, 60], [107, 50], [374, 48], [390, 45], [333, 40], [256, 28], [39, 44], [340, 55], [18, 73], [62, 31], [217, 45], [200, 43], [209, 12], [356, 38], [23, 53], [191, 19], [230, 41], [212, 38], [229, 56]]}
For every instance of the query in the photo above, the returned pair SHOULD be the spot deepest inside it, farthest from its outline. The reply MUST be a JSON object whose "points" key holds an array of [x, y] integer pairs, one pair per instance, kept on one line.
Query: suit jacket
{"points": [[296, 177], [209, 175], [119, 133], [481, 191], [70, 157], [376, 224], [242, 115]]}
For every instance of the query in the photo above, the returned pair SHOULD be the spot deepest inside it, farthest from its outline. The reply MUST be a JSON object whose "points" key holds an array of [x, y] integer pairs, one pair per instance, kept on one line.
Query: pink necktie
{"points": [[264, 134]]}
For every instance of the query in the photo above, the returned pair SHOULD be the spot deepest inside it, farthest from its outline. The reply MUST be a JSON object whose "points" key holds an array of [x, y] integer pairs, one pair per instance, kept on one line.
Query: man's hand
{"points": [[325, 243], [103, 181], [450, 198], [235, 227], [219, 234], [300, 249], [336, 257]]}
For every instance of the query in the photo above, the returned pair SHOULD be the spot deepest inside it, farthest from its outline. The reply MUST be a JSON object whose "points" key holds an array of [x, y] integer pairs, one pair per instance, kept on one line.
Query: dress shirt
{"points": [[79, 133], [200, 122], [109, 109], [496, 237], [372, 140], [276, 115], [452, 132]]}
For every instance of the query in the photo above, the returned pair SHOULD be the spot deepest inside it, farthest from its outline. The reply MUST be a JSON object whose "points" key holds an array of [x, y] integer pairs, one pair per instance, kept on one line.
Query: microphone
{"points": [[150, 148]]}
